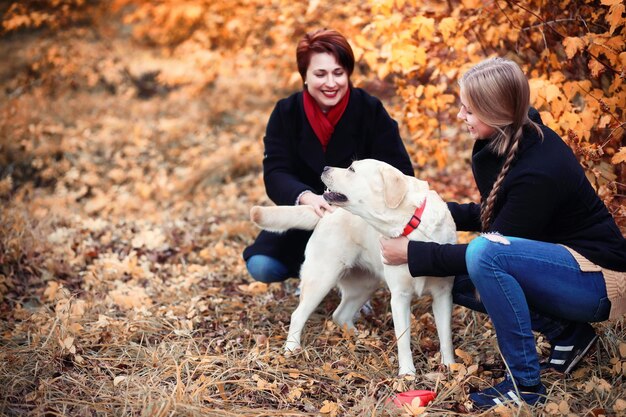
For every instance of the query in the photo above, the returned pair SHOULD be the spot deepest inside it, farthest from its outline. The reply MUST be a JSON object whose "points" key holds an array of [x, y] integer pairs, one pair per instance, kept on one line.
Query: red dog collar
{"points": [[415, 220]]}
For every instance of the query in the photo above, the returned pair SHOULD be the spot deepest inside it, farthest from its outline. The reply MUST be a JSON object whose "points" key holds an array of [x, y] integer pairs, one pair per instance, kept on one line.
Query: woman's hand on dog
{"points": [[394, 250], [316, 201]]}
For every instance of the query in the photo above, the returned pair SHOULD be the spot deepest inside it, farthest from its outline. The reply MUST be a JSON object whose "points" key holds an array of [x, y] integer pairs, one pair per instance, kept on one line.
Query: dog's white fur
{"points": [[374, 199]]}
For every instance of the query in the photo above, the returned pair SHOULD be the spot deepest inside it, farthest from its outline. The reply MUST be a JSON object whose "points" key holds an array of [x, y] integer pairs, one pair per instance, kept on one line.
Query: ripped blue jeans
{"points": [[525, 286]]}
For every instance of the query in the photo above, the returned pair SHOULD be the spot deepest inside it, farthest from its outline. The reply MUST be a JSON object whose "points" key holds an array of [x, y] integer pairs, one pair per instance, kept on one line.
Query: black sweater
{"points": [[294, 158], [545, 196]]}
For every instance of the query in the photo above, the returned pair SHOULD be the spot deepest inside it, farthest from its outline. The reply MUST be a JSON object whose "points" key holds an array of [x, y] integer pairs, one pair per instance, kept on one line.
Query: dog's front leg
{"points": [[299, 318], [312, 292], [401, 295]]}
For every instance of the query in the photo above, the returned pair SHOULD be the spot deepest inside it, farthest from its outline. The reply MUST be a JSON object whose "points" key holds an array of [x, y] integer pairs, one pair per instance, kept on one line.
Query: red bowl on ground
{"points": [[408, 397]]}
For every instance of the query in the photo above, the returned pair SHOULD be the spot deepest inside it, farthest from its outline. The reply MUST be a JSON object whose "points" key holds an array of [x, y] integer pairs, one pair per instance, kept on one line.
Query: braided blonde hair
{"points": [[498, 93]]}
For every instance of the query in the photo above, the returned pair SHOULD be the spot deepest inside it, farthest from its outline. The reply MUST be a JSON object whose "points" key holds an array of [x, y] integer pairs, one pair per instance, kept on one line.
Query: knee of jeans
{"points": [[480, 252], [266, 269]]}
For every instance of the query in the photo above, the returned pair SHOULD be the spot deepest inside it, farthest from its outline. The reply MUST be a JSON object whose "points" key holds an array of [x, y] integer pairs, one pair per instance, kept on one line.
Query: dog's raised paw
{"points": [[255, 214]]}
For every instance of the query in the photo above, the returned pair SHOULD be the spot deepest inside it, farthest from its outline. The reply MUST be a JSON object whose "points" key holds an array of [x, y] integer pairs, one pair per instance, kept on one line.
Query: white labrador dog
{"points": [[375, 199]]}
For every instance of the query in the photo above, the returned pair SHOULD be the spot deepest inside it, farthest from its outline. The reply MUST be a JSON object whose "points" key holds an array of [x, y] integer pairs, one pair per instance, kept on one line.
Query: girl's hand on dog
{"points": [[316, 201], [394, 250]]}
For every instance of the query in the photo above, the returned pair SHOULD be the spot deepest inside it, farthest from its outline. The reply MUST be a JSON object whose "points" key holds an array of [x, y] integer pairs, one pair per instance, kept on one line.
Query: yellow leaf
{"points": [[595, 67], [602, 386], [130, 296], [383, 71], [447, 27], [294, 78], [552, 408], [294, 394], [362, 41], [610, 2], [614, 16], [68, 342], [467, 358], [313, 4], [425, 27], [444, 100], [552, 92], [118, 379], [622, 346], [78, 309], [620, 405], [472, 369], [416, 407], [75, 327], [573, 45], [150, 239], [408, 56], [537, 96], [604, 121], [472, 4], [503, 410], [222, 391], [263, 384], [557, 108], [329, 407], [253, 288], [51, 290], [458, 368]]}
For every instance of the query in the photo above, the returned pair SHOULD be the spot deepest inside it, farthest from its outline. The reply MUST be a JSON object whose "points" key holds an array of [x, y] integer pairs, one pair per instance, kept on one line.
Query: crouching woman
{"points": [[550, 259]]}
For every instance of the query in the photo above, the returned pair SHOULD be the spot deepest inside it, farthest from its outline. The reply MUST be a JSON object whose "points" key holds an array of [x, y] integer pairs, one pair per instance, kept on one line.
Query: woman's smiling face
{"points": [[326, 80], [477, 128]]}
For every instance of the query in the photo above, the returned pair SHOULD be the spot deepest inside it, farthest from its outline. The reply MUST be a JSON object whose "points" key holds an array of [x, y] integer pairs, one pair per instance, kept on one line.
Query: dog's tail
{"points": [[282, 218]]}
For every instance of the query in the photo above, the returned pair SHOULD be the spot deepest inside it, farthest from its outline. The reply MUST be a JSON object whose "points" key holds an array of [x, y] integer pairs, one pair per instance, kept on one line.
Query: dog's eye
{"points": [[350, 168]]}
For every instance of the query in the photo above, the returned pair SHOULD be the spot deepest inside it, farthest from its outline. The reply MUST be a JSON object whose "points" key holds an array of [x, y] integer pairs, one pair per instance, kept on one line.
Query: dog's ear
{"points": [[395, 186]]}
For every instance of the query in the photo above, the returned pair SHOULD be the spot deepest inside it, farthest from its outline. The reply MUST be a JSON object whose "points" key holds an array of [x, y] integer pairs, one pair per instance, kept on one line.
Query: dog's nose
{"points": [[326, 168]]}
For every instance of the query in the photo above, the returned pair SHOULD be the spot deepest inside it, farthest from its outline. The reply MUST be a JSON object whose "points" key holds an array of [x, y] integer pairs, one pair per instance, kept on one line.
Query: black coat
{"points": [[294, 160], [545, 196]]}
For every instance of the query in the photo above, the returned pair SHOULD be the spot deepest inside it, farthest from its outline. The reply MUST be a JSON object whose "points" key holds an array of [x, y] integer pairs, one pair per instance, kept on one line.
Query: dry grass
{"points": [[124, 292]]}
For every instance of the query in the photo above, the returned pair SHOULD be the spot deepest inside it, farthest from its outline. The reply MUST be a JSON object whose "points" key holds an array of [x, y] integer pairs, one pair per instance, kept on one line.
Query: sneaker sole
{"points": [[578, 357]]}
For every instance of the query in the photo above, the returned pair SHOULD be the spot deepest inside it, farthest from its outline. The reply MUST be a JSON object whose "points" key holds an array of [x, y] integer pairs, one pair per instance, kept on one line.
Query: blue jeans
{"points": [[525, 286], [267, 269]]}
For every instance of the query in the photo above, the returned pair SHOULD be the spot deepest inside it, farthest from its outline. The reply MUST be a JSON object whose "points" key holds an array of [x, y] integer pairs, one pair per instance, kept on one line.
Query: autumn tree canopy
{"points": [[573, 52]]}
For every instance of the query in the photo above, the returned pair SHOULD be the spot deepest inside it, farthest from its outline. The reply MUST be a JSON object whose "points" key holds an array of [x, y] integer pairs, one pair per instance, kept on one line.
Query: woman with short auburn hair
{"points": [[328, 123]]}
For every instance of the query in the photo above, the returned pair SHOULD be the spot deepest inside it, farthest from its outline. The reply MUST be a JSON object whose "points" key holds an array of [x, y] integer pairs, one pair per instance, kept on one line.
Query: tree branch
{"points": [[559, 34]]}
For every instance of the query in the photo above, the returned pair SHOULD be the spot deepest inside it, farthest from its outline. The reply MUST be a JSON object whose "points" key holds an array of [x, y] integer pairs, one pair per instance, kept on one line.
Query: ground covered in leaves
{"points": [[124, 212]]}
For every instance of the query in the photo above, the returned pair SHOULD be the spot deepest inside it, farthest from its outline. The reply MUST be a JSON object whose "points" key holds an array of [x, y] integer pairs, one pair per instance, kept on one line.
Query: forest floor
{"points": [[125, 200]]}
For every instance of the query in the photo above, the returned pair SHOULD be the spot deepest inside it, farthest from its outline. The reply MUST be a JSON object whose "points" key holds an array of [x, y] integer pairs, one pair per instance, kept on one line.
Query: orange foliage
{"points": [[575, 61]]}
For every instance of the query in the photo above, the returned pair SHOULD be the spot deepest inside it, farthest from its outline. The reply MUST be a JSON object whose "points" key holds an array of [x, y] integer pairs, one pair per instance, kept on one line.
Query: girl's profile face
{"points": [[327, 81], [476, 127]]}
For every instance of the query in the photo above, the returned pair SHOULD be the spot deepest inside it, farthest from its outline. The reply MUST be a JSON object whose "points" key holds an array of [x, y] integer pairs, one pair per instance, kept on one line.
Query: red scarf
{"points": [[323, 124]]}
